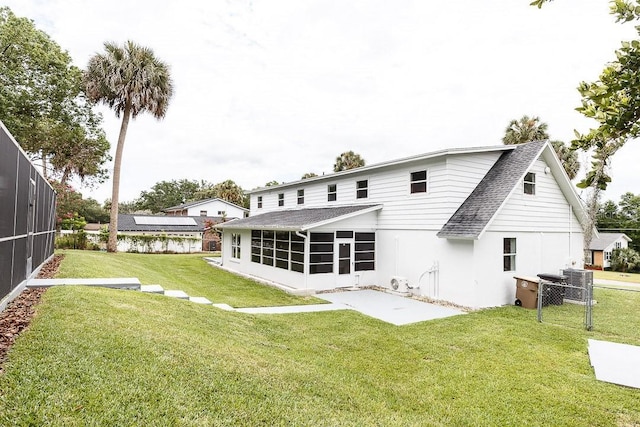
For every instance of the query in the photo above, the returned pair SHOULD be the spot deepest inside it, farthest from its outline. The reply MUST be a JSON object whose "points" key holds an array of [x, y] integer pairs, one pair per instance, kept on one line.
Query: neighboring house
{"points": [[178, 234], [603, 245], [453, 225], [27, 219], [208, 207]]}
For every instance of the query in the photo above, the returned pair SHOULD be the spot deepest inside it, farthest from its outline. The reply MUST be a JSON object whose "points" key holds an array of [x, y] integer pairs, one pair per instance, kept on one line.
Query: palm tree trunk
{"points": [[112, 244]]}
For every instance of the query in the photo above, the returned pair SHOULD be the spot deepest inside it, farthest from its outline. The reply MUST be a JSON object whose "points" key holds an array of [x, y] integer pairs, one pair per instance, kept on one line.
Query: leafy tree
{"points": [[624, 259], [348, 160], [91, 210], [272, 183], [43, 106], [130, 80], [613, 101], [308, 175], [229, 191], [623, 217], [165, 194], [527, 129]]}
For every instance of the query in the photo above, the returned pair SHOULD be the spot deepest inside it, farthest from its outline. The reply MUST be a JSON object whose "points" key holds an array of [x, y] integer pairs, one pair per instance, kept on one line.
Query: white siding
{"points": [[449, 181], [546, 211], [213, 207]]}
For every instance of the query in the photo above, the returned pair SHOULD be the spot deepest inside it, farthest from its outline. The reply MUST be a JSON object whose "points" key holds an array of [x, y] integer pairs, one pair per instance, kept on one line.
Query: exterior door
{"points": [[344, 262]]}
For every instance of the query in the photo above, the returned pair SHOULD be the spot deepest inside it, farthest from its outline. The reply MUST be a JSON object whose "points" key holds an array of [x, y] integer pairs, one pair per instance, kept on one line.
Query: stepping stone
{"points": [[176, 294], [226, 307], [115, 283], [152, 289], [200, 300]]}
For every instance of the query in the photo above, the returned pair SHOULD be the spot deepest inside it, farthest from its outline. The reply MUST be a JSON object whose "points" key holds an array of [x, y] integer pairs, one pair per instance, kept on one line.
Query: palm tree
{"points": [[526, 129], [568, 157], [130, 80], [348, 160]]}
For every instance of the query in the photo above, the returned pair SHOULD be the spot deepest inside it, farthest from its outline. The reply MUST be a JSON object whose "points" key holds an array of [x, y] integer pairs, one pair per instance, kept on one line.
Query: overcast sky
{"points": [[270, 90]]}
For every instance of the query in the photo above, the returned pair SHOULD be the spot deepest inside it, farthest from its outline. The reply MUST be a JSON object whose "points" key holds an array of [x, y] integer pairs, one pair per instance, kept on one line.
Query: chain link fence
{"points": [[27, 218]]}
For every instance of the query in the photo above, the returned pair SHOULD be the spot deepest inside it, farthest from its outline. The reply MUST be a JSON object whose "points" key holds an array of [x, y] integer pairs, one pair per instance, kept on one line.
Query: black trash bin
{"points": [[553, 288]]}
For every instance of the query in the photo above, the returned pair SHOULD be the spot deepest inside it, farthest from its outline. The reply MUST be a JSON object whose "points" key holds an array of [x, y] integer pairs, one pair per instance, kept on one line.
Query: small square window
{"points": [[281, 199], [203, 213], [509, 254], [419, 182], [362, 189], [301, 197], [259, 202], [332, 192], [530, 183]]}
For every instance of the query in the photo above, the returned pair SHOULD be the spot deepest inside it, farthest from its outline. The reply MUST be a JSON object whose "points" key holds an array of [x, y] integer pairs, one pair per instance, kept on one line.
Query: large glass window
{"points": [[321, 253], [419, 182], [530, 183], [280, 249], [297, 253], [332, 192], [235, 245], [509, 254], [365, 251], [256, 245]]}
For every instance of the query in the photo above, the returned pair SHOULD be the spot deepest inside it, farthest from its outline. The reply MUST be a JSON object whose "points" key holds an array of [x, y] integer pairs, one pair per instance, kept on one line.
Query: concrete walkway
{"points": [[615, 283], [394, 309]]}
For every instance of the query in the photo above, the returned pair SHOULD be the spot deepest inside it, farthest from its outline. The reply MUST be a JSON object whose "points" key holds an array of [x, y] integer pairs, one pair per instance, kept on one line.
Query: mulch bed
{"points": [[18, 314]]}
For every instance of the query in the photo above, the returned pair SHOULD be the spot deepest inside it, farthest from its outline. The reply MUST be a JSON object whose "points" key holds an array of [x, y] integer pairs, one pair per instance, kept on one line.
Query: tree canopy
{"points": [[348, 160], [527, 129], [613, 100], [43, 105], [165, 194], [130, 80]]}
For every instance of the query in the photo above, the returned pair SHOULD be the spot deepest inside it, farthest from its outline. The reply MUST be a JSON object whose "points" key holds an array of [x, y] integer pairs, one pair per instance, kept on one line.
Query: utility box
{"points": [[526, 291]]}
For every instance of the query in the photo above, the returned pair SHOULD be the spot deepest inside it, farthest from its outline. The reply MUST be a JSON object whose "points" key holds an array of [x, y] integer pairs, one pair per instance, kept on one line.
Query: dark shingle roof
{"points": [[483, 203], [295, 219], [127, 222], [606, 239]]}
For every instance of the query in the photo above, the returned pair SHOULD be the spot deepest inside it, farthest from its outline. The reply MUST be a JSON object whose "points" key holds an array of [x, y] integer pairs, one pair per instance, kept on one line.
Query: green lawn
{"points": [[188, 273], [616, 275], [107, 357]]}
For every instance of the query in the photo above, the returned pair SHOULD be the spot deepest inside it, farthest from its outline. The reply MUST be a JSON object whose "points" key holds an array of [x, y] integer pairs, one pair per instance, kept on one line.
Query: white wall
{"points": [[180, 245], [215, 206]]}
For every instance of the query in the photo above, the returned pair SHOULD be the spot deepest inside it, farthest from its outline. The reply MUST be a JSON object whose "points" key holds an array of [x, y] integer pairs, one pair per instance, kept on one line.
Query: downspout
{"points": [[570, 236], [306, 258]]}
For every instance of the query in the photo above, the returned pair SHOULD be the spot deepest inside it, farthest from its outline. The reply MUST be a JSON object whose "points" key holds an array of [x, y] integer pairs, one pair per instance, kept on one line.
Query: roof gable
{"points": [[604, 240], [482, 205], [201, 202]]}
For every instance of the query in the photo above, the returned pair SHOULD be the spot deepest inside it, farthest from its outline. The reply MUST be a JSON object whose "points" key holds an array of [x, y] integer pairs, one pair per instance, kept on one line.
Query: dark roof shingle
{"points": [[479, 208], [294, 219]]}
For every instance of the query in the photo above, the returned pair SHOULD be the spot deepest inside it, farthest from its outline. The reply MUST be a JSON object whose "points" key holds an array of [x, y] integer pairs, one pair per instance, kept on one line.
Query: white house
{"points": [[602, 247], [208, 207], [453, 225]]}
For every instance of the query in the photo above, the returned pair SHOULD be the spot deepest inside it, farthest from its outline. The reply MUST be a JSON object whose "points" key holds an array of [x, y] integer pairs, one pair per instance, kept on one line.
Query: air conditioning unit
{"points": [[399, 284]]}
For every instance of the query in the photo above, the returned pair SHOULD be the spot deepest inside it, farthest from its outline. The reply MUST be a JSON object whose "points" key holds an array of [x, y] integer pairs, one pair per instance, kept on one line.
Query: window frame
{"points": [[203, 213], [301, 196], [236, 245], [332, 194], [362, 192], [529, 184], [280, 199], [259, 202], [416, 183], [510, 255]]}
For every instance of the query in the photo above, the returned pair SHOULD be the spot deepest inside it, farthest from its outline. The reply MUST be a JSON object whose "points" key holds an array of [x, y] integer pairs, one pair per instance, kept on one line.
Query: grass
{"points": [[616, 275], [106, 357], [188, 273]]}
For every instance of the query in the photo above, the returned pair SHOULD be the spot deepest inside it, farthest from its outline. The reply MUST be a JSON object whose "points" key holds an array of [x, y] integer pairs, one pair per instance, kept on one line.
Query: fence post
{"points": [[540, 286], [588, 320]]}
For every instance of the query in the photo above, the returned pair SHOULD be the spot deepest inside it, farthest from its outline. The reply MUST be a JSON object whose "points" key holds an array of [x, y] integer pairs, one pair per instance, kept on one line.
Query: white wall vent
{"points": [[399, 284]]}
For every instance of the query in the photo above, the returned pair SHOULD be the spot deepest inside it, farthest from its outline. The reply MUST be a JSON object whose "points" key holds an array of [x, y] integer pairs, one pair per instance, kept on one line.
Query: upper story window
{"points": [[618, 245], [419, 182], [259, 202], [301, 197], [203, 213], [222, 212], [281, 199], [332, 192], [509, 254], [362, 189], [530, 183]]}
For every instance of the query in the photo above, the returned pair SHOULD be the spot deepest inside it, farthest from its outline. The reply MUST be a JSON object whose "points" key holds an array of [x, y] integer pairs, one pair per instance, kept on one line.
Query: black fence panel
{"points": [[27, 216]]}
